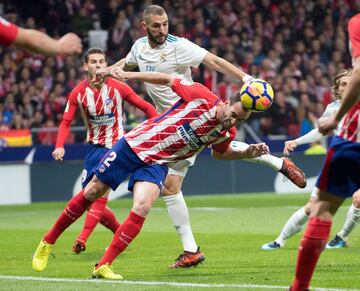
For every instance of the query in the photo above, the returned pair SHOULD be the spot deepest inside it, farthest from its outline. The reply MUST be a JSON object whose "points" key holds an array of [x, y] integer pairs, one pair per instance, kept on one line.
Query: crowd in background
{"points": [[297, 46]]}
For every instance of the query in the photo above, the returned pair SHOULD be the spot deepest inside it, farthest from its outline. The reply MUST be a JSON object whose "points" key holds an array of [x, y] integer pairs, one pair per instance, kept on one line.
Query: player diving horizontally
{"points": [[163, 52], [198, 120]]}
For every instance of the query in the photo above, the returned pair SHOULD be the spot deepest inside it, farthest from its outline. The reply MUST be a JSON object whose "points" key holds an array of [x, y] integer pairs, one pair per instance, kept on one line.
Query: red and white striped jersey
{"points": [[350, 124], [184, 130], [102, 111], [350, 128], [8, 32]]}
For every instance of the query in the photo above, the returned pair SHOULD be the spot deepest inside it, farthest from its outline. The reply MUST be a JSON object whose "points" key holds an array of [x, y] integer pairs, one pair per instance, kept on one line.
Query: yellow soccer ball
{"points": [[256, 95]]}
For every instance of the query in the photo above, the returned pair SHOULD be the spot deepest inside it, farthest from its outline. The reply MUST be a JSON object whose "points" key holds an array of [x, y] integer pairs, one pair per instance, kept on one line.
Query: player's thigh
{"points": [[92, 160], [326, 205], [95, 189], [176, 176]]}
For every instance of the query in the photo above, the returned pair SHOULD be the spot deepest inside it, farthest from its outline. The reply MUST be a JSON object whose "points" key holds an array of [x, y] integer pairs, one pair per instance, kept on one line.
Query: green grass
{"points": [[229, 228]]}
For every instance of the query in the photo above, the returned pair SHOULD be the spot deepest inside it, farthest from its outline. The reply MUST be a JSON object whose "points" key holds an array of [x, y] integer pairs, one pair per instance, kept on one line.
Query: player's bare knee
{"points": [[172, 185], [356, 199], [95, 189], [142, 208]]}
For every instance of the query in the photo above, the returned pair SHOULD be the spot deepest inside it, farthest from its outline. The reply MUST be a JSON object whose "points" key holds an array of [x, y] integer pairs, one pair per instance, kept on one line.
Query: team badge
{"points": [[109, 103], [163, 57]]}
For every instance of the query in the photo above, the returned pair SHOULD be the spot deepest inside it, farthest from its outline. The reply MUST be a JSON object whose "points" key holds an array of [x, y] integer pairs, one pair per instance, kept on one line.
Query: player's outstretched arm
{"points": [[108, 71], [149, 77], [223, 66], [39, 42], [312, 136], [232, 153]]}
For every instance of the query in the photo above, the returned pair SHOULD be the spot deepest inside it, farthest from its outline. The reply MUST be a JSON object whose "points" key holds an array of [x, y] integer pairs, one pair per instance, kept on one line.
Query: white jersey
{"points": [[315, 135], [174, 57], [330, 110]]}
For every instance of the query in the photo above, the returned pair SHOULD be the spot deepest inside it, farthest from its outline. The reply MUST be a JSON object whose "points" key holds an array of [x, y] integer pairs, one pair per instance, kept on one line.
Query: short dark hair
{"points": [[154, 10], [92, 51]]}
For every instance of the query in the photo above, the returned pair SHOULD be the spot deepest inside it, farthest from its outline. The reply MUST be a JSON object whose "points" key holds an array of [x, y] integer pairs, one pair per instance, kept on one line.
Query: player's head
{"points": [[94, 59], [156, 24], [232, 112], [340, 81]]}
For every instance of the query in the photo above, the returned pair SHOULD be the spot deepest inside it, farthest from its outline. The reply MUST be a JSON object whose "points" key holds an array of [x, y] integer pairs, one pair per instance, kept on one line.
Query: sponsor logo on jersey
{"points": [[150, 68], [188, 135], [106, 119]]}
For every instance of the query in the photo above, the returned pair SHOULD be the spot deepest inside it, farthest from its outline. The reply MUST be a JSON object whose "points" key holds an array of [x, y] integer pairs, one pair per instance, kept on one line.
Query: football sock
{"points": [[122, 238], [352, 219], [179, 215], [109, 220], [268, 160], [73, 210], [294, 225], [311, 246], [92, 218]]}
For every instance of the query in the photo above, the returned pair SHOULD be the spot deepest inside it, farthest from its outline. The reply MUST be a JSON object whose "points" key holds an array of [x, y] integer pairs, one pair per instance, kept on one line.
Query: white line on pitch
{"points": [[154, 283]]}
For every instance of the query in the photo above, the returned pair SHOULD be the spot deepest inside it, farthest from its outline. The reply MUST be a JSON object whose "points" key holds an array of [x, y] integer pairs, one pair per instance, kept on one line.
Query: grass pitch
{"points": [[229, 228]]}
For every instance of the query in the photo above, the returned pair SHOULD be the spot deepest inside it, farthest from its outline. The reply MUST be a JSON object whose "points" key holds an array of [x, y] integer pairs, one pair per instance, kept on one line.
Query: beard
{"points": [[154, 39]]}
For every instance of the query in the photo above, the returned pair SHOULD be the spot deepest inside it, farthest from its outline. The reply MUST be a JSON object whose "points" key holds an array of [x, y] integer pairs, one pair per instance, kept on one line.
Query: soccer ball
{"points": [[256, 95]]}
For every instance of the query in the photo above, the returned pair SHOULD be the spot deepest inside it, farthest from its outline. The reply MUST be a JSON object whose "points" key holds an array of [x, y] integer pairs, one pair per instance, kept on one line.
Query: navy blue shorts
{"points": [[340, 172], [93, 158], [121, 162]]}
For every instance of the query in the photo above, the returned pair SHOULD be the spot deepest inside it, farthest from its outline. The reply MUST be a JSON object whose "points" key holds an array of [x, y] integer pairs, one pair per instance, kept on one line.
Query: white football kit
{"points": [[174, 57], [315, 135]]}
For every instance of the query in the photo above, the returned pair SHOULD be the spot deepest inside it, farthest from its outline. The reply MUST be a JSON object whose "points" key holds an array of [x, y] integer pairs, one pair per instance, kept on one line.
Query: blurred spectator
{"points": [[295, 45]]}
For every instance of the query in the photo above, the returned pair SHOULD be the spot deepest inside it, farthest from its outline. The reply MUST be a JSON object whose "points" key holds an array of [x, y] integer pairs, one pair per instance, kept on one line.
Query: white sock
{"points": [[268, 160], [294, 225], [352, 219], [179, 215]]}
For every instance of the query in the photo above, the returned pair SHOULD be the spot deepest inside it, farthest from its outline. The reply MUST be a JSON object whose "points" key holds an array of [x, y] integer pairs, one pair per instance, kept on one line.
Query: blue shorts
{"points": [[93, 158], [340, 172], [121, 162]]}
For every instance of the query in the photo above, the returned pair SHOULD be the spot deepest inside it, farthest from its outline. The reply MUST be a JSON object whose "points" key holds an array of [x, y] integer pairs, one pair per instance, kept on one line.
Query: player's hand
{"points": [[70, 44], [58, 154], [118, 74], [104, 72], [96, 80], [290, 145], [327, 125], [256, 150]]}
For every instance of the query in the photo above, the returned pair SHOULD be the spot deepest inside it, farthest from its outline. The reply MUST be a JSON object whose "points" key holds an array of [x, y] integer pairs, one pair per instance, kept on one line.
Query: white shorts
{"points": [[180, 168]]}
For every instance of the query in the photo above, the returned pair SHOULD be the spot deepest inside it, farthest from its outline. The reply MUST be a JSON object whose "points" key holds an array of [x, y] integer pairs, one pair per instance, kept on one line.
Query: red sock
{"points": [[109, 220], [123, 237], [75, 208], [311, 246], [92, 218]]}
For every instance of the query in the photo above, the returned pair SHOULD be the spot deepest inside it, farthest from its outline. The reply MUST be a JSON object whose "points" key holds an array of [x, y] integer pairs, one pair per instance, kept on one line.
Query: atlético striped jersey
{"points": [[102, 111], [350, 124], [184, 130]]}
